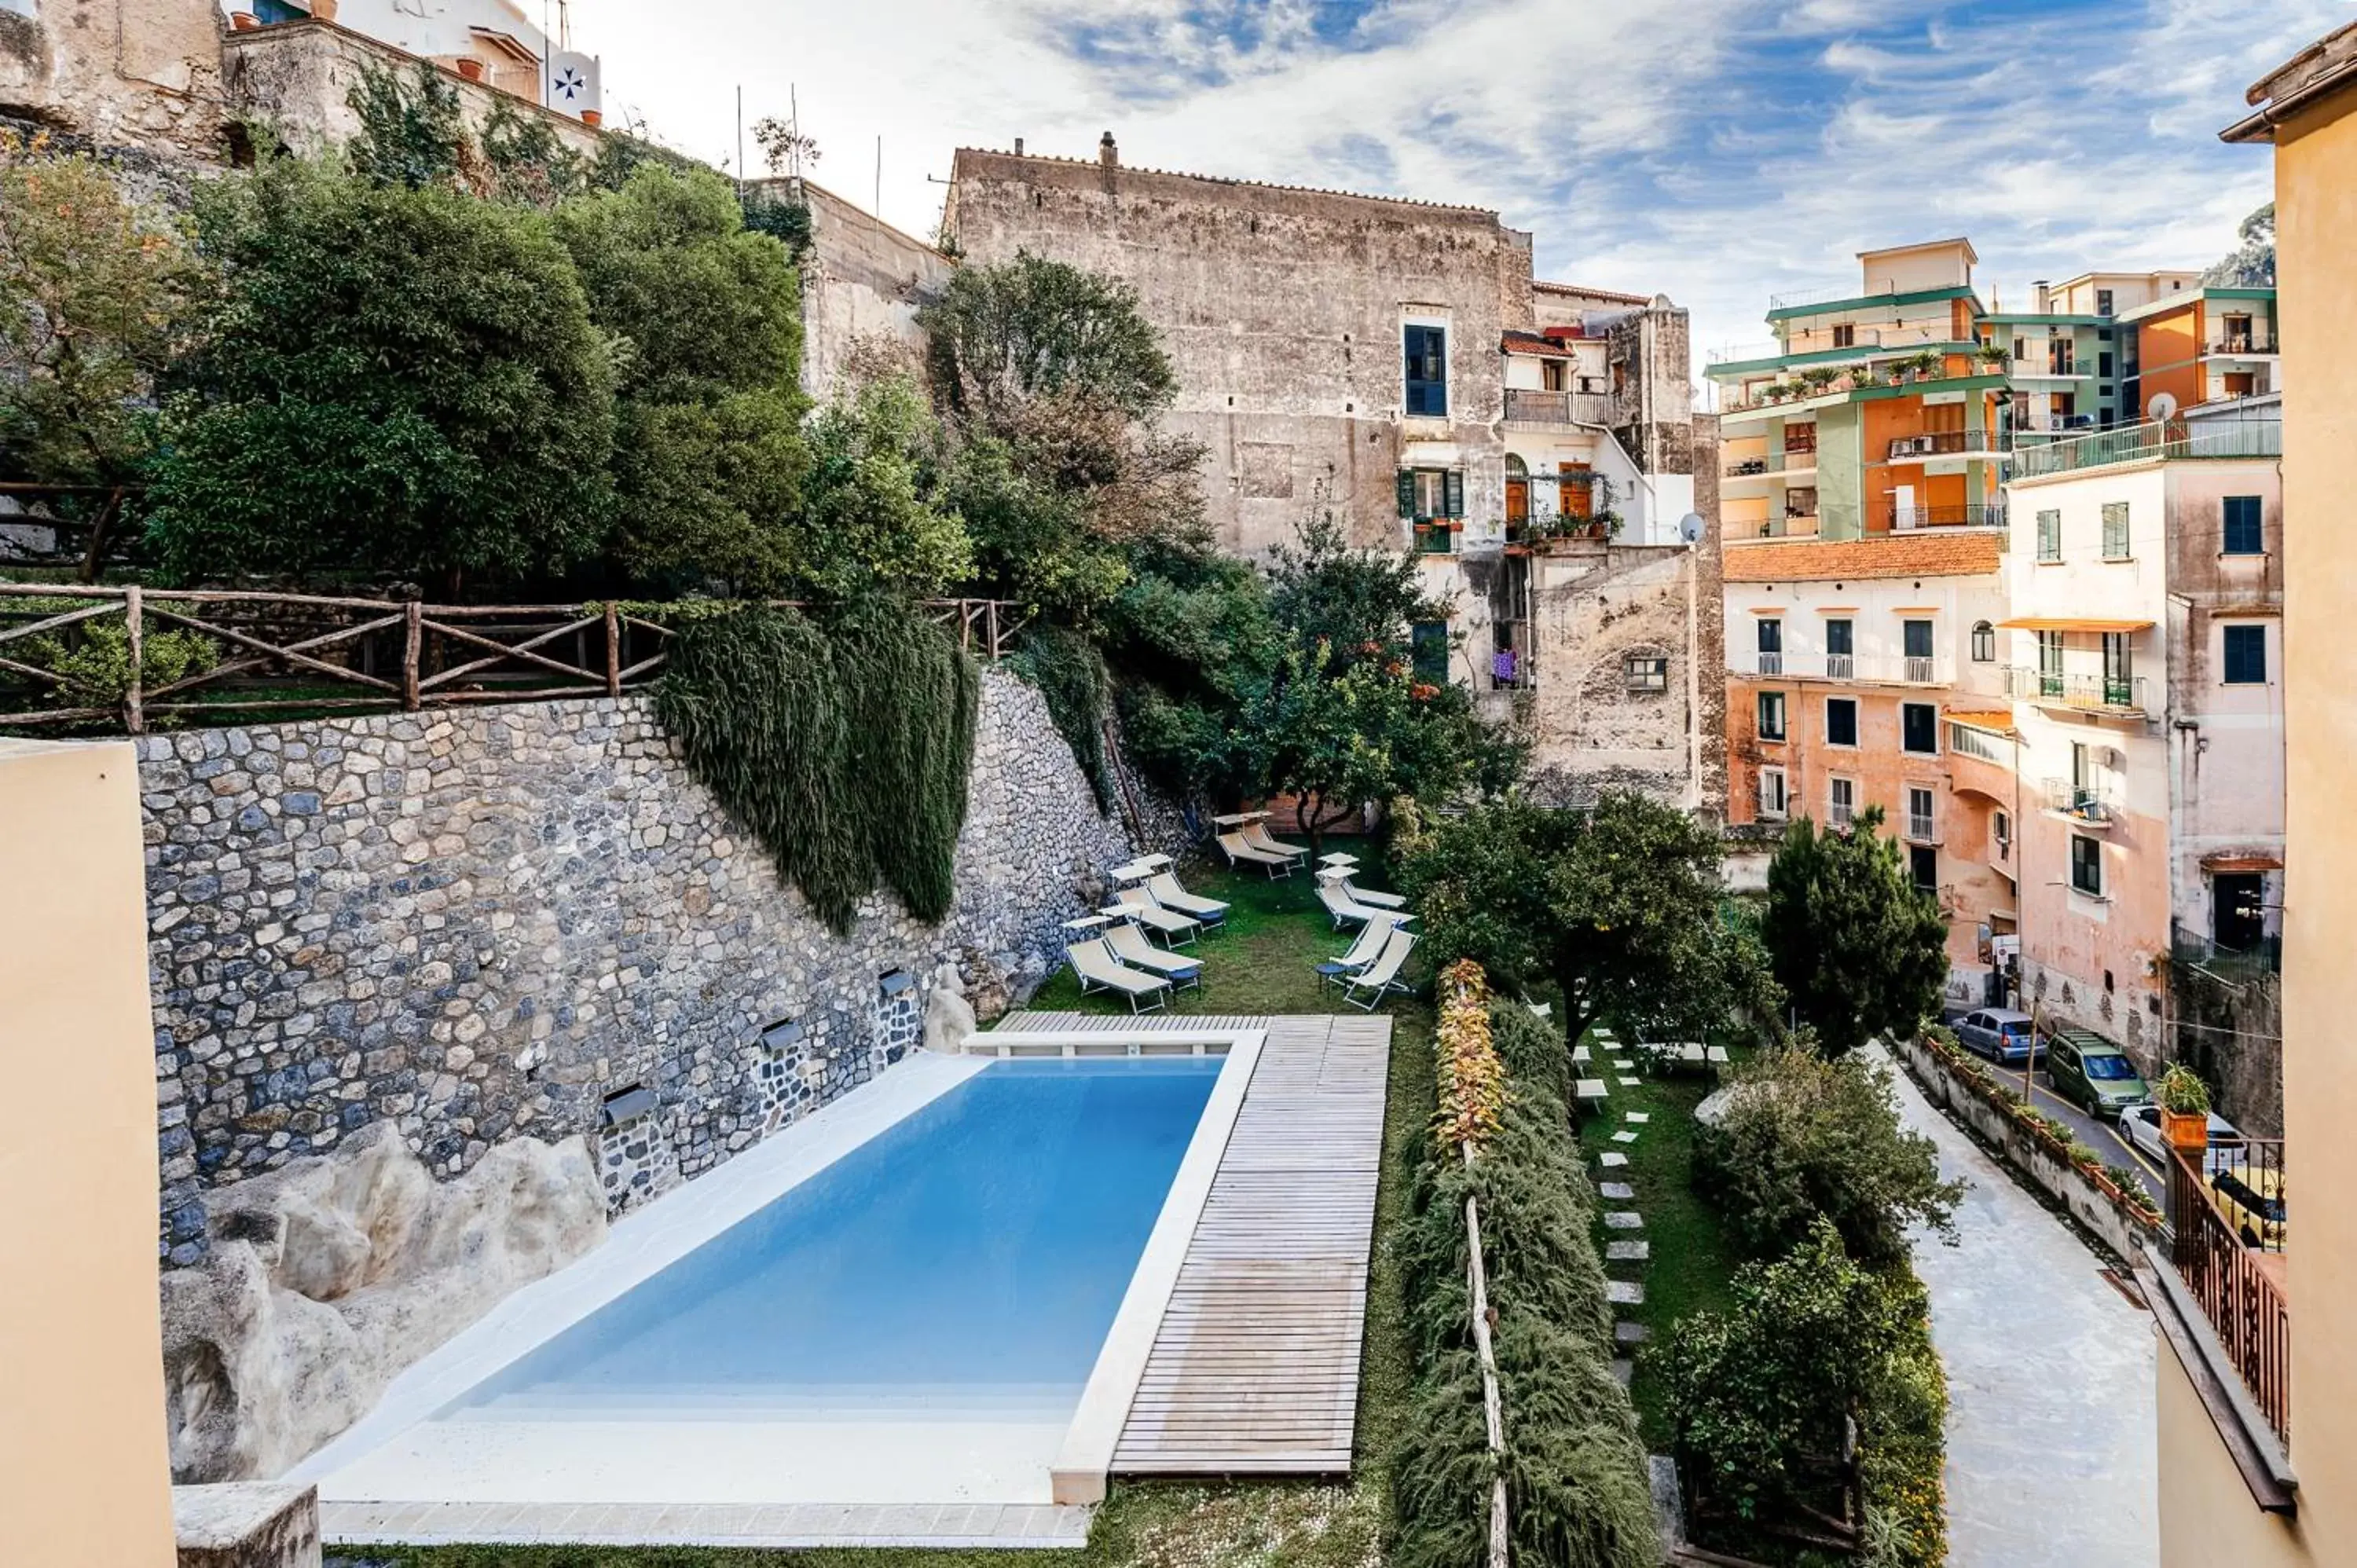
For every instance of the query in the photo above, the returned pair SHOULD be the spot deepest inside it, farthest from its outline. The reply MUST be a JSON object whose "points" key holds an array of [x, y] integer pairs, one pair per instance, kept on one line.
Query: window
{"points": [[1841, 721], [2001, 827], [1647, 671], [2246, 656], [1920, 822], [1772, 793], [1915, 643], [1551, 374], [2022, 347], [2243, 533], [1771, 716], [2238, 920], [1770, 635], [2116, 530], [1840, 645], [1923, 862], [2086, 865], [1429, 642], [2103, 365], [2058, 357], [2103, 301], [1841, 802], [1919, 728], [1984, 643], [1428, 493], [2050, 536], [1428, 371], [1846, 335], [2119, 684]]}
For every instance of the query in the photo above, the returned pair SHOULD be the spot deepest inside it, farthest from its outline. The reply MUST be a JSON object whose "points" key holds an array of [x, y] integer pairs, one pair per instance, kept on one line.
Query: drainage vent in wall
{"points": [[628, 1104]]}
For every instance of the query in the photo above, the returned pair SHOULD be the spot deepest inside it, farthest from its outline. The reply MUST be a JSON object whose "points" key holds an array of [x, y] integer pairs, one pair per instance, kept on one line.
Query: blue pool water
{"points": [[970, 1258]]}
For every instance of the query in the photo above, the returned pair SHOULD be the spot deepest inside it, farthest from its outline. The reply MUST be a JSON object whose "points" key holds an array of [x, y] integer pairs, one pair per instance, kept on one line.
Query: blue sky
{"points": [[1719, 151]]}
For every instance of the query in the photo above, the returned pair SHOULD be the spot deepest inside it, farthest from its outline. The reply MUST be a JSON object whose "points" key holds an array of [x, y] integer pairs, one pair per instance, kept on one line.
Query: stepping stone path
{"points": [[1638, 1117], [1624, 1293], [1628, 1083], [1619, 1189], [1624, 1136], [1624, 1219], [1611, 1158], [1629, 1254], [1630, 1334], [1628, 1251]]}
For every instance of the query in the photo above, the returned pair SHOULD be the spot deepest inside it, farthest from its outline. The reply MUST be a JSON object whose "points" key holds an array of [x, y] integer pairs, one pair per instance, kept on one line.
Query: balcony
{"points": [[2258, 341], [1986, 514], [2153, 443], [1801, 459], [2094, 693], [1946, 444], [1438, 538], [2083, 805], [1526, 405], [2229, 1226], [1884, 669]]}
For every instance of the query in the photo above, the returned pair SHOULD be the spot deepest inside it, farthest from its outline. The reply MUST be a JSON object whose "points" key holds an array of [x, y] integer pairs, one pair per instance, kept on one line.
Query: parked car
{"points": [[2250, 1197], [2000, 1034], [2092, 1074], [2140, 1125]]}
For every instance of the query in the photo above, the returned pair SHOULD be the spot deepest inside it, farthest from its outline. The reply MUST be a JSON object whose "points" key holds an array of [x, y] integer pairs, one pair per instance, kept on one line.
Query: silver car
{"points": [[2000, 1034], [2140, 1125]]}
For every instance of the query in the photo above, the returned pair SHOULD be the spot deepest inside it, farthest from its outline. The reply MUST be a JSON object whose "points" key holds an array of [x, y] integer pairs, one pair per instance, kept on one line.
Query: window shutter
{"points": [[1455, 487], [1408, 492]]}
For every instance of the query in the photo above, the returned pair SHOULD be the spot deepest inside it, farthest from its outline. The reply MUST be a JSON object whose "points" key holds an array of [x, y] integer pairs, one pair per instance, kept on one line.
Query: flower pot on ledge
{"points": [[470, 67], [2185, 1132]]}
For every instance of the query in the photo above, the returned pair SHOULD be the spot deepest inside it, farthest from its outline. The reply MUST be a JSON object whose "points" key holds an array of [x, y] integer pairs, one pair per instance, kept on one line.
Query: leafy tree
{"points": [[1856, 945], [527, 162], [710, 462], [1758, 1394], [2252, 264], [870, 524], [1805, 1138], [1002, 336], [1617, 906], [395, 379], [97, 296]]}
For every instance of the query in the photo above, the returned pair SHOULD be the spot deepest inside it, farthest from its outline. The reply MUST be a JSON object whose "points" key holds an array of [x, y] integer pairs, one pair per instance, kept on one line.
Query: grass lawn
{"points": [[1264, 961], [1692, 1254]]}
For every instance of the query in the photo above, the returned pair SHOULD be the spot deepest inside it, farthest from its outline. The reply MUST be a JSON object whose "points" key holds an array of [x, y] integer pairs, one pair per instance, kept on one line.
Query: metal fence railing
{"points": [[2153, 442], [2231, 1225]]}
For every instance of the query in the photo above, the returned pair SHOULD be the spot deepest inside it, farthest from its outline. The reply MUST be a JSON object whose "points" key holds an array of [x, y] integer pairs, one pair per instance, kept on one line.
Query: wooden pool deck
{"points": [[1255, 1370]]}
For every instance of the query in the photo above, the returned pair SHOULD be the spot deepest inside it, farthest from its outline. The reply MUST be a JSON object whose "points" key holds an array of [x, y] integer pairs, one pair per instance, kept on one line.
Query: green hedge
{"points": [[1577, 1495]]}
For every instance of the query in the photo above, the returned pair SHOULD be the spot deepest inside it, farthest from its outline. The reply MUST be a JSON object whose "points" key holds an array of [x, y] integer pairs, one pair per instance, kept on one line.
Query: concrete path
{"points": [[2051, 1457]]}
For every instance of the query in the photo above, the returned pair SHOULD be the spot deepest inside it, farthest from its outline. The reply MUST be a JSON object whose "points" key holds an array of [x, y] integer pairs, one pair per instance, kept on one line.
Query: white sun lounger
{"points": [[1130, 946], [1380, 978], [1097, 970], [1238, 853], [1379, 901], [1349, 911], [1137, 903], [1368, 948], [1257, 835], [1171, 896]]}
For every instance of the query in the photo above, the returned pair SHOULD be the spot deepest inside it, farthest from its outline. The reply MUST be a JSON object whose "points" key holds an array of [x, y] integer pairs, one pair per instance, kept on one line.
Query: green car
{"points": [[2094, 1074]]}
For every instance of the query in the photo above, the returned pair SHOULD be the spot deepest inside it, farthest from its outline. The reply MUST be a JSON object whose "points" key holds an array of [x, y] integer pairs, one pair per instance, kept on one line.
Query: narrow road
{"points": [[2051, 1453]]}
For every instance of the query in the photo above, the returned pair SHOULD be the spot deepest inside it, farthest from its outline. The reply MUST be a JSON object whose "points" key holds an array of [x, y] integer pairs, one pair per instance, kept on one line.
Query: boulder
{"points": [[949, 1018], [328, 1277]]}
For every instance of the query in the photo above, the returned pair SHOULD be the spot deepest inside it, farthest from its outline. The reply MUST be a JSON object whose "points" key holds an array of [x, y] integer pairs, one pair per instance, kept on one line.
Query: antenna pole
{"points": [[879, 175], [740, 141]]}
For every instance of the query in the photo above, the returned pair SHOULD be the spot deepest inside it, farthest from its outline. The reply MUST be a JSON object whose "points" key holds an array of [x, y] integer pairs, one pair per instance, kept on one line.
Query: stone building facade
{"points": [[531, 921], [862, 283], [1397, 361], [139, 75]]}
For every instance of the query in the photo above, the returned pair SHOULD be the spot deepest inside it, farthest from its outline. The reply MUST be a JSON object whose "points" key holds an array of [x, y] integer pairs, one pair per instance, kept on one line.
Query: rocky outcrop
{"points": [[326, 1278]]}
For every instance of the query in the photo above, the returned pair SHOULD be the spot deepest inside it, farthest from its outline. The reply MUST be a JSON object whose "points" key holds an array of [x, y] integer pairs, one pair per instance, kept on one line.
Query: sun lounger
{"points": [[1349, 911], [1379, 901], [1130, 946], [1139, 906], [1380, 978], [1363, 951], [1097, 970], [1171, 896], [1257, 835], [1238, 853]]}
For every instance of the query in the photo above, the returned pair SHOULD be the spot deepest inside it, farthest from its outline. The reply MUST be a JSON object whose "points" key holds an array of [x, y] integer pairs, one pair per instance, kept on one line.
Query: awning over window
{"points": [[1996, 723], [2233, 863], [2072, 623]]}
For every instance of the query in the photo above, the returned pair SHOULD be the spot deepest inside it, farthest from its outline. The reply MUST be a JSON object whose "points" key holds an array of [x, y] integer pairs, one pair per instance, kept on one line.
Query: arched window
{"points": [[1984, 643]]}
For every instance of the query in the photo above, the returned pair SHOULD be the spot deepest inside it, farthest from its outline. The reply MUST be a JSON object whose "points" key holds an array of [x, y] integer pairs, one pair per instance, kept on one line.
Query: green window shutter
{"points": [[1408, 492], [1455, 492]]}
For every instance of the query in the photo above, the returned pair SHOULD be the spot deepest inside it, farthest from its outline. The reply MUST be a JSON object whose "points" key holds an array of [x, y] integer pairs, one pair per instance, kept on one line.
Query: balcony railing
{"points": [[1980, 514], [1945, 444], [2231, 1226], [2252, 343], [2118, 693], [2151, 443], [1786, 461], [2078, 802], [1878, 669], [1528, 406], [1965, 741]]}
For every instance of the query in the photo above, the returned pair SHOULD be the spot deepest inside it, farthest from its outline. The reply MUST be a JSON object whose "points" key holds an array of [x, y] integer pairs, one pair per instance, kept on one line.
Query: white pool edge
{"points": [[1082, 1465]]}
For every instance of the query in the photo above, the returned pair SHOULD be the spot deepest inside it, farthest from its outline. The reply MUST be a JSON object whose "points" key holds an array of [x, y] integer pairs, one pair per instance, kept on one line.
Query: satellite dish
{"points": [[2163, 407], [1690, 527]]}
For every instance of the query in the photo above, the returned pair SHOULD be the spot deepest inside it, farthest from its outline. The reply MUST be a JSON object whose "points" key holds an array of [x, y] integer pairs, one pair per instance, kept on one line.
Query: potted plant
{"points": [[1925, 365], [1995, 354], [2184, 1108]]}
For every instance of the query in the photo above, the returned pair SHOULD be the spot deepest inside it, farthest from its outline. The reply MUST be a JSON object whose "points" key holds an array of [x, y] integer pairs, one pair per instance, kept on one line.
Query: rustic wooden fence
{"points": [[281, 655]]}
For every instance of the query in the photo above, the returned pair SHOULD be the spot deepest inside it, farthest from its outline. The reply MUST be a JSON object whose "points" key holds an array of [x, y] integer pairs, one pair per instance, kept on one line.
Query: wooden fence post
{"points": [[134, 717], [412, 645], [994, 629], [613, 650]]}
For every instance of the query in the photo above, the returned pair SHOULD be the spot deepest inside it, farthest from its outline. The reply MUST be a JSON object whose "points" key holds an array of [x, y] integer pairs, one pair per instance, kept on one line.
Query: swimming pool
{"points": [[969, 1258]]}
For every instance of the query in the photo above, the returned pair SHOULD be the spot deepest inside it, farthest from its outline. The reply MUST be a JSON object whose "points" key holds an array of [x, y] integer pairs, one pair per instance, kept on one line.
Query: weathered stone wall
{"points": [[2227, 1017], [1594, 607], [863, 283], [478, 925], [137, 75]]}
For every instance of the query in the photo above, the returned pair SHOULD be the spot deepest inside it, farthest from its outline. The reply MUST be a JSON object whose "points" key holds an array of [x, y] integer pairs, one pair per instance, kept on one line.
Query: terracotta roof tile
{"points": [[1885, 555]]}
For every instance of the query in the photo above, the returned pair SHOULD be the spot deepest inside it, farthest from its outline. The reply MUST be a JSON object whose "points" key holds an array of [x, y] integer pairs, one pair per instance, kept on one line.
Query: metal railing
{"points": [[2121, 693], [1786, 461], [2253, 342], [2153, 442], [2231, 1226], [1531, 405], [1882, 669], [1947, 444], [1979, 514], [2193, 949], [2077, 802]]}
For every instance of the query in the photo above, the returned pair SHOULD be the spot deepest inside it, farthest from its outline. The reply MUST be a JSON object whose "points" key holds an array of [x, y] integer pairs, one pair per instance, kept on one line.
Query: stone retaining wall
{"points": [[486, 924]]}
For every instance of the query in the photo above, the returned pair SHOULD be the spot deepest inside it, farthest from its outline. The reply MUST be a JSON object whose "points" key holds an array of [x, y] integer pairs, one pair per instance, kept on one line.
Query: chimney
{"points": [[2041, 297], [1018, 146], [1107, 154]]}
